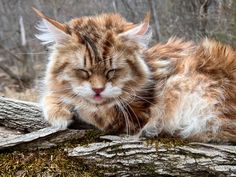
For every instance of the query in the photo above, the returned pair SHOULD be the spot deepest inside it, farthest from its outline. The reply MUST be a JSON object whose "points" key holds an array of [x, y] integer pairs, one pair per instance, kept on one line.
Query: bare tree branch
{"points": [[153, 7], [203, 17], [10, 53], [9, 72], [22, 31]]}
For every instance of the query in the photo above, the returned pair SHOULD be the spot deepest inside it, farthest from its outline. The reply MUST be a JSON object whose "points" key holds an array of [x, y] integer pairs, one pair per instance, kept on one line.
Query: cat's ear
{"points": [[51, 30], [141, 33]]}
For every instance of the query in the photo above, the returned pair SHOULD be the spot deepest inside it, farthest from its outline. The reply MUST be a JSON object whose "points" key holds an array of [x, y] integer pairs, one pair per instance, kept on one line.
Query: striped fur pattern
{"points": [[101, 67]]}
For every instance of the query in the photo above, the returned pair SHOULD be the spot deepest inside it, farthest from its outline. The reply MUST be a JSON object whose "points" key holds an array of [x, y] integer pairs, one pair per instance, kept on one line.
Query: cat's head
{"points": [[99, 57]]}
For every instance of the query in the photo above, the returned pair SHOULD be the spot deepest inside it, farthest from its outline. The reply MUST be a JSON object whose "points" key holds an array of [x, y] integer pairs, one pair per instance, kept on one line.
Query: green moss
{"points": [[149, 168], [50, 162], [166, 142], [91, 136]]}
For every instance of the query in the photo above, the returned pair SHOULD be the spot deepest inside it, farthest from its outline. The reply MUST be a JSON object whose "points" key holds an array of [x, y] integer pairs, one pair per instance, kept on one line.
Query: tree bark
{"points": [[133, 157], [20, 115], [24, 123], [41, 139], [27, 116], [122, 156]]}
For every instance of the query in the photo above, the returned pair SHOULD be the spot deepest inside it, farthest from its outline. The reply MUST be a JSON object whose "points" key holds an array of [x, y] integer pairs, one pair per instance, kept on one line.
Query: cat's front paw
{"points": [[59, 122], [149, 132], [57, 114], [58, 117], [151, 129]]}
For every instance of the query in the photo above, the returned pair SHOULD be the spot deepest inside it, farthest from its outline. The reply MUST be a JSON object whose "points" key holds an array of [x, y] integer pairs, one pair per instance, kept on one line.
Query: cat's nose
{"points": [[98, 90]]}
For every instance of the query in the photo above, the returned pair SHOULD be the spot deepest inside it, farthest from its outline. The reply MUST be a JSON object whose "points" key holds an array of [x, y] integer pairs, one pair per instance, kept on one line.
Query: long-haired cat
{"points": [[101, 67]]}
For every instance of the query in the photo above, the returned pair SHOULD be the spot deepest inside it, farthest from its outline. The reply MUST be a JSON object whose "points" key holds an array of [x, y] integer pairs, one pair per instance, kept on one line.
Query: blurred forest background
{"points": [[23, 59]]}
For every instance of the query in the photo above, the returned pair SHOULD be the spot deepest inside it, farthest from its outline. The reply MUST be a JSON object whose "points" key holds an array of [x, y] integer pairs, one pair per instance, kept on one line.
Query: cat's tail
{"points": [[218, 62], [216, 59]]}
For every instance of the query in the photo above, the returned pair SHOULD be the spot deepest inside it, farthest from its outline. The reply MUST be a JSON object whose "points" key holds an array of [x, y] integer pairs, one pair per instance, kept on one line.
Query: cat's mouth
{"points": [[98, 97]]}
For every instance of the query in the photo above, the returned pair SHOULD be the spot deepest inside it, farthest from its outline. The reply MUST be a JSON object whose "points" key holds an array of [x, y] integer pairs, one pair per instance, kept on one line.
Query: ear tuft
{"points": [[141, 33], [51, 30], [50, 34], [45, 35]]}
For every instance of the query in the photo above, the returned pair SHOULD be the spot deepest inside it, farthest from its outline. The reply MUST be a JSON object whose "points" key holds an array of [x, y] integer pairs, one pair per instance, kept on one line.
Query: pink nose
{"points": [[98, 90]]}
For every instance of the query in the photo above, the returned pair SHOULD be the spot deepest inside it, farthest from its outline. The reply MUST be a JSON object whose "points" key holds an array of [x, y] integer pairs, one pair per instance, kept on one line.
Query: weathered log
{"points": [[41, 139], [7, 133], [25, 124], [27, 116], [133, 157], [21, 115], [122, 156]]}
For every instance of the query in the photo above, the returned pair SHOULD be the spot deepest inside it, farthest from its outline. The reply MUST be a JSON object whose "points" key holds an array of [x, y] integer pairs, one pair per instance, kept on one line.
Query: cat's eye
{"points": [[83, 73], [111, 73]]}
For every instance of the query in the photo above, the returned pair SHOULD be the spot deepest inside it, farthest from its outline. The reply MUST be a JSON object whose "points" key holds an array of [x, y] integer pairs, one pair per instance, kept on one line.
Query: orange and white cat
{"points": [[101, 67]]}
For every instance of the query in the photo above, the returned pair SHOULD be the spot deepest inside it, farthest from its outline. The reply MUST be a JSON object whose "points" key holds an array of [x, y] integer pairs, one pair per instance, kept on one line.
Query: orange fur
{"points": [[102, 68], [208, 70]]}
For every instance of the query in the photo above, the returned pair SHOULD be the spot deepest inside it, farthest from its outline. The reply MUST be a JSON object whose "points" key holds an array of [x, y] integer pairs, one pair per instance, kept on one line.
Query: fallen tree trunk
{"points": [[20, 115], [27, 116], [119, 156], [129, 157], [41, 139], [25, 124]]}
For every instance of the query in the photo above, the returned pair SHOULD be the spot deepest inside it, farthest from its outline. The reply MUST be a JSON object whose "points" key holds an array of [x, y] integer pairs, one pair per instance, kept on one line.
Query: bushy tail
{"points": [[216, 58], [218, 62]]}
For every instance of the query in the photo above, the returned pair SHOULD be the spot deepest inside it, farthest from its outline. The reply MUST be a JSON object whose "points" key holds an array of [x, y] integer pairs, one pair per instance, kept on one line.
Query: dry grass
{"points": [[26, 95]]}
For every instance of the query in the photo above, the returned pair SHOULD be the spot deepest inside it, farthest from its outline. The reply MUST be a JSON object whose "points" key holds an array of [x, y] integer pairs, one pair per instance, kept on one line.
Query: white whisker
{"points": [[133, 113], [125, 116]]}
